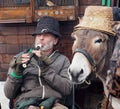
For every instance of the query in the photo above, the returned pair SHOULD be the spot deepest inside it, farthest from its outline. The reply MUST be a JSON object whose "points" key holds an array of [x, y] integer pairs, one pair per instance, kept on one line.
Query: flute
{"points": [[24, 65]]}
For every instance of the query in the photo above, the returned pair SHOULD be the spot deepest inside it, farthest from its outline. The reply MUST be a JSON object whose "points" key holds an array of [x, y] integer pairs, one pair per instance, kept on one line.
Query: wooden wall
{"points": [[16, 37]]}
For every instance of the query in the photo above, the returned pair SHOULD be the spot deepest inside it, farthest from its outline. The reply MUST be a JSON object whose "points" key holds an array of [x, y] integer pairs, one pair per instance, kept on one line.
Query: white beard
{"points": [[46, 46]]}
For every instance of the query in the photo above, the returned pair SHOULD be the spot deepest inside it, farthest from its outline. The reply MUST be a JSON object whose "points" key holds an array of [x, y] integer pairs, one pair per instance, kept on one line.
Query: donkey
{"points": [[93, 47], [92, 51], [113, 77]]}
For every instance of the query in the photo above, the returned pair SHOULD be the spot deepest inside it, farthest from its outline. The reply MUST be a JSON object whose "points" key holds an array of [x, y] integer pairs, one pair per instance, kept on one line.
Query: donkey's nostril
{"points": [[69, 70], [81, 72], [74, 74]]}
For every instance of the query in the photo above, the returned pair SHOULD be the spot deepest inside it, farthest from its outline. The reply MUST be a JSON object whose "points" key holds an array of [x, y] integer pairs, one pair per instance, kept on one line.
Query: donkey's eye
{"points": [[98, 41]]}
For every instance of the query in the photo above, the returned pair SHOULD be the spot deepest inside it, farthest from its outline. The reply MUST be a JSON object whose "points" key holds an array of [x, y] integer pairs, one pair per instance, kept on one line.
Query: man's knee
{"points": [[33, 107], [59, 106]]}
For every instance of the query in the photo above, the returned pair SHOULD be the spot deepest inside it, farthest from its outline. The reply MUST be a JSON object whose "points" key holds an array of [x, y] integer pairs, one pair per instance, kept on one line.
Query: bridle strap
{"points": [[91, 61], [84, 52], [114, 81], [108, 105]]}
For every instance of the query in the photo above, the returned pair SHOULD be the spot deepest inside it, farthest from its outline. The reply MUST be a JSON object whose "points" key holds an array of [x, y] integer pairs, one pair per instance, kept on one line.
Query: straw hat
{"points": [[97, 18]]}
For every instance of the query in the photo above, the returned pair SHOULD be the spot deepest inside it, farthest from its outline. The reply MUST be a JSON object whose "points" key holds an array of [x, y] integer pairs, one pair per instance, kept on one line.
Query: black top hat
{"points": [[47, 24]]}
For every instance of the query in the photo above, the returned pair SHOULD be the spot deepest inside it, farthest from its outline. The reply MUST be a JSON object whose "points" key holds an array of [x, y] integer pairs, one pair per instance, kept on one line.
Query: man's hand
{"points": [[38, 53], [25, 58], [42, 56], [16, 63]]}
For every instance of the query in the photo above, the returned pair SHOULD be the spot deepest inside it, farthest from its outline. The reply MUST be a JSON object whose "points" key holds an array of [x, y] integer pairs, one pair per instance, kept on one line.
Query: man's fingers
{"points": [[37, 53], [23, 58], [26, 55]]}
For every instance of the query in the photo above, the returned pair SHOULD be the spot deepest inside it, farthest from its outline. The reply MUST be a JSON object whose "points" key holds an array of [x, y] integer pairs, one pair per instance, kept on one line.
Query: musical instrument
{"points": [[24, 65]]}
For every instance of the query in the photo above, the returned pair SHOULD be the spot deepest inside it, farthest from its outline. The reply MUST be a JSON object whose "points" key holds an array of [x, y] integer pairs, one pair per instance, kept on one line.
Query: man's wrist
{"points": [[14, 75]]}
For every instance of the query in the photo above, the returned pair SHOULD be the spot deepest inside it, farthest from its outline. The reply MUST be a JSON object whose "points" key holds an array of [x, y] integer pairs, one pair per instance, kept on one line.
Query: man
{"points": [[39, 76]]}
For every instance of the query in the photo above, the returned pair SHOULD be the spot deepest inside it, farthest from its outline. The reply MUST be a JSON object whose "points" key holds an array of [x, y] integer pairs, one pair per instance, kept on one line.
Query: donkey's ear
{"points": [[116, 27], [78, 25], [79, 19]]}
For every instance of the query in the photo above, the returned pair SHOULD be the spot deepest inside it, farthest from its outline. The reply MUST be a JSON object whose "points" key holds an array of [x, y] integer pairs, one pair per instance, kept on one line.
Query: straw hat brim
{"points": [[88, 28]]}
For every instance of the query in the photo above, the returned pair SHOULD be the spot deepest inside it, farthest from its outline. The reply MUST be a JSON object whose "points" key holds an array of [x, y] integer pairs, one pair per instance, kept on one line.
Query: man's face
{"points": [[45, 41]]}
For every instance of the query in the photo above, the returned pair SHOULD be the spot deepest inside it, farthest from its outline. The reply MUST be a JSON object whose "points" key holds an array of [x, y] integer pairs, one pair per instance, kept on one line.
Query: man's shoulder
{"points": [[62, 56]]}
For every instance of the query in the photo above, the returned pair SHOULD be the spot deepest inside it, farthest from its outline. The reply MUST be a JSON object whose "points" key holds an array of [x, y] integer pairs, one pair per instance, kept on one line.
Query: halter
{"points": [[90, 59], [94, 65]]}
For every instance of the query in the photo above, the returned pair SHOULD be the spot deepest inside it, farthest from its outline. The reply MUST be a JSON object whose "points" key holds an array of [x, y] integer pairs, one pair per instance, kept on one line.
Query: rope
{"points": [[73, 103]]}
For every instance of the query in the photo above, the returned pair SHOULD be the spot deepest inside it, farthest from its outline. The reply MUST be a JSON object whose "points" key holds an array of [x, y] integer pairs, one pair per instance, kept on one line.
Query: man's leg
{"points": [[59, 106], [33, 107]]}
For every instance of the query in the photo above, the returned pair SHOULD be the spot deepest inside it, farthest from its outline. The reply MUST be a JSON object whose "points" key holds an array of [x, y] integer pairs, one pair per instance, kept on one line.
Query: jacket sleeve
{"points": [[59, 80], [12, 86]]}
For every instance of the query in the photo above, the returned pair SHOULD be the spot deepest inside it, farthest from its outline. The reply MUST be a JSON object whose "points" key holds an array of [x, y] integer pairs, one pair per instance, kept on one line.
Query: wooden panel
{"points": [[61, 12], [24, 14], [90, 2], [15, 14]]}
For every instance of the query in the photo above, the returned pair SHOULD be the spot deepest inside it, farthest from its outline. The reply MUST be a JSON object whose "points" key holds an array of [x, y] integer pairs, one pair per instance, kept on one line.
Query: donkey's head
{"points": [[93, 43]]}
